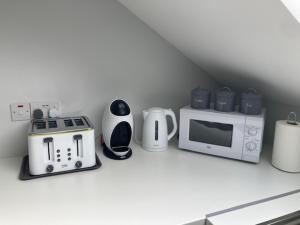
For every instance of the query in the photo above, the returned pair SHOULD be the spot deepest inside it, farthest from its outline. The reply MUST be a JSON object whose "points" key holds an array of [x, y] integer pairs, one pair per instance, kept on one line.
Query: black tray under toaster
{"points": [[25, 175]]}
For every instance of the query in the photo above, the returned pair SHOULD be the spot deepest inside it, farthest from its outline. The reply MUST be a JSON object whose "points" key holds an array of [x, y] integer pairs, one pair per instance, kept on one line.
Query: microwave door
{"points": [[212, 134]]}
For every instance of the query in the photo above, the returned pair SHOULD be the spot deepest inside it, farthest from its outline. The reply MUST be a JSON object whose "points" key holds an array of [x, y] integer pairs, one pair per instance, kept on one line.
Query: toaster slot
{"points": [[79, 145], [40, 124], [68, 123], [78, 122], [52, 124], [50, 148]]}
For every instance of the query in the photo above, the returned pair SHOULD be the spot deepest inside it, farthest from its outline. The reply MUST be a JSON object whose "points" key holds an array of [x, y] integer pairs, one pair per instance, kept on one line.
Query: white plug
{"points": [[45, 106], [53, 113]]}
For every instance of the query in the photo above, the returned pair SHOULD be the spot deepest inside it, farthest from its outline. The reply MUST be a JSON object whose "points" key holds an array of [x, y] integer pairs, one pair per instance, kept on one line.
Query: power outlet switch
{"points": [[20, 111]]}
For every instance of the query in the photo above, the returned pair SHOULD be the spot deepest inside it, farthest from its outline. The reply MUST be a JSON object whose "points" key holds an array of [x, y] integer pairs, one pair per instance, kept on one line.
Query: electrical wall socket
{"points": [[45, 107], [20, 111]]}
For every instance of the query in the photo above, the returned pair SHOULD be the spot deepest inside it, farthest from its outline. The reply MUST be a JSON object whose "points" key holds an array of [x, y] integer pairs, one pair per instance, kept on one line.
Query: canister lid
{"points": [[251, 94], [200, 92], [225, 92]]}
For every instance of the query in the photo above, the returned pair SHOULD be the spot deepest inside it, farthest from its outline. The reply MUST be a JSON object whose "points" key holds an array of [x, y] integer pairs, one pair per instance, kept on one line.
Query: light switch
{"points": [[20, 111]]}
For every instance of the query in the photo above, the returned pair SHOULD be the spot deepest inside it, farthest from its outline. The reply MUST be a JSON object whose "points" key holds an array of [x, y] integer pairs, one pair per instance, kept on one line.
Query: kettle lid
{"points": [[155, 110]]}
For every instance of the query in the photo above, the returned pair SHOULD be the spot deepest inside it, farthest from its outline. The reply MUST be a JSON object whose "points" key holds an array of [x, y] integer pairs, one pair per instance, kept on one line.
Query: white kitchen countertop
{"points": [[169, 188]]}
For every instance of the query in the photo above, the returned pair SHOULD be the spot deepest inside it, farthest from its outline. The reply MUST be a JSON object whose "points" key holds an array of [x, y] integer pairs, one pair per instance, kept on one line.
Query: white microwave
{"points": [[227, 134]]}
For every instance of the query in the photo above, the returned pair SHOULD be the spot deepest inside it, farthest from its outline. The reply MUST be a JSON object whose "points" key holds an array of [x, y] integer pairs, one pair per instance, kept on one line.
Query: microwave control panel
{"points": [[253, 136]]}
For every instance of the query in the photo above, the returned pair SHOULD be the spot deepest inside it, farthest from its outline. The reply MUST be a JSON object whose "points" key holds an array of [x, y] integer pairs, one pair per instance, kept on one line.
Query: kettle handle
{"points": [[169, 112]]}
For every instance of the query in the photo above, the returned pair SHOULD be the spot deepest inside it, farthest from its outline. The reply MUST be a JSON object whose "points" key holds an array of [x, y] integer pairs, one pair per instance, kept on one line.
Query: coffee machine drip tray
{"points": [[108, 153]]}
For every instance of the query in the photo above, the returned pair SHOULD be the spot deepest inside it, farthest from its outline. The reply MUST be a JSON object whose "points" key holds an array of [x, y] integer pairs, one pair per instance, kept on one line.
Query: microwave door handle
{"points": [[170, 113], [220, 126]]}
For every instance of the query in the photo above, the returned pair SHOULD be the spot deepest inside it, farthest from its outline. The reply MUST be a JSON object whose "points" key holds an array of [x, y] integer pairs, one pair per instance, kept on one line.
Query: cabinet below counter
{"points": [[279, 211], [168, 188]]}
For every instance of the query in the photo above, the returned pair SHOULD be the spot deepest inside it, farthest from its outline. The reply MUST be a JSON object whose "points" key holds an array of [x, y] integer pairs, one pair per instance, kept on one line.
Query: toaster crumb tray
{"points": [[25, 175]]}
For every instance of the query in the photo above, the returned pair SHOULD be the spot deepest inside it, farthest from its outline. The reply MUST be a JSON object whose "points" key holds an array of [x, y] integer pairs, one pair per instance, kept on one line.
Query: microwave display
{"points": [[211, 133]]}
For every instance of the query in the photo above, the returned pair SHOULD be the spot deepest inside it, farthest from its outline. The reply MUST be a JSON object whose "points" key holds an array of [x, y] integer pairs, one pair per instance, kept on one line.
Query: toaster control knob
{"points": [[49, 168], [78, 164]]}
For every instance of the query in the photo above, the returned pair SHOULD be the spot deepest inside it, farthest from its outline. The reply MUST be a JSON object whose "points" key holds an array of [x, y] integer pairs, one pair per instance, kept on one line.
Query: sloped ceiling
{"points": [[242, 43]]}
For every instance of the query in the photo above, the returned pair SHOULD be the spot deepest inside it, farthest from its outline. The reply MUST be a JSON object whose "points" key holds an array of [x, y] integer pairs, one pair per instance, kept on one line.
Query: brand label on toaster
{"points": [[64, 165]]}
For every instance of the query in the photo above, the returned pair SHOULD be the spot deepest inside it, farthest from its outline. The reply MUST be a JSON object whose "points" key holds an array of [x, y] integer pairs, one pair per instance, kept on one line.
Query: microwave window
{"points": [[211, 133]]}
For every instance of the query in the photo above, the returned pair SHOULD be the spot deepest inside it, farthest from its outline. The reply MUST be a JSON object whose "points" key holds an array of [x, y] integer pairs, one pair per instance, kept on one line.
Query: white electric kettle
{"points": [[155, 129]]}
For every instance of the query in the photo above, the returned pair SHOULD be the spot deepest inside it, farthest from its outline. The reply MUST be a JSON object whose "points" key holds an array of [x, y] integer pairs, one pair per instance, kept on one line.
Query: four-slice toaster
{"points": [[60, 144]]}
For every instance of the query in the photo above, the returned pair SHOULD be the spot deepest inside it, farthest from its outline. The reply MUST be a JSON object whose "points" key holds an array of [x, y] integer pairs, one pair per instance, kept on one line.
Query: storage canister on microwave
{"points": [[286, 148], [200, 98], [251, 102], [225, 100]]}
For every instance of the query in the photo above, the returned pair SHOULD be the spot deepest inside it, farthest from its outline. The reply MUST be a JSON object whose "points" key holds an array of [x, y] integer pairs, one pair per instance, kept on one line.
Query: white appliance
{"points": [[61, 144], [155, 128], [227, 134], [117, 128]]}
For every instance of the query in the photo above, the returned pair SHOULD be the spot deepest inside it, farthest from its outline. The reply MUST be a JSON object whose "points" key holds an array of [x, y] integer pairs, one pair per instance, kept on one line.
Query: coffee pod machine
{"points": [[117, 129]]}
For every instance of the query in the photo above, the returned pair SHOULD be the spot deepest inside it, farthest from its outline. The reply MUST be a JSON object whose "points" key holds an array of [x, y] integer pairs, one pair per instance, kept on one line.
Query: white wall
{"points": [[258, 41], [84, 53], [242, 44]]}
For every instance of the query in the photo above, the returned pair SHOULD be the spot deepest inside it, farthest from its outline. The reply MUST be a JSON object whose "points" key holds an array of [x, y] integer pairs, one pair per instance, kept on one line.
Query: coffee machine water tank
{"points": [[117, 129]]}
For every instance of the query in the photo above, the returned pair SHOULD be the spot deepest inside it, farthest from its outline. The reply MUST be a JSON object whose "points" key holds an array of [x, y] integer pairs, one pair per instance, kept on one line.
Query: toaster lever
{"points": [[48, 140], [78, 139]]}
